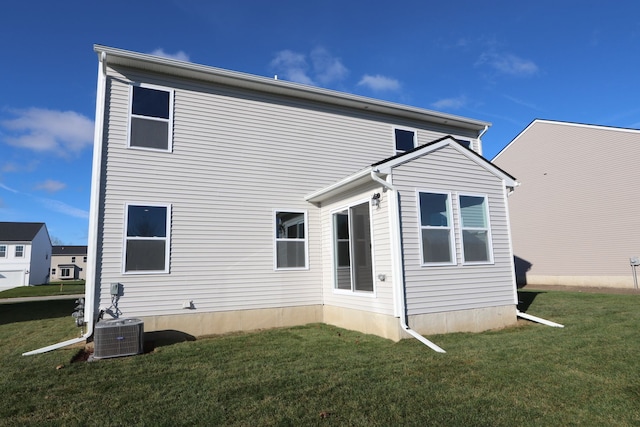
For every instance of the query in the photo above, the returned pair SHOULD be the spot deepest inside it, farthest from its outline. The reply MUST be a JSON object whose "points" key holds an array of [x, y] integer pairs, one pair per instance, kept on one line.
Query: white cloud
{"points": [[507, 63], [450, 103], [63, 208], [326, 67], [322, 69], [179, 55], [292, 66], [60, 132], [50, 186], [379, 83], [4, 187]]}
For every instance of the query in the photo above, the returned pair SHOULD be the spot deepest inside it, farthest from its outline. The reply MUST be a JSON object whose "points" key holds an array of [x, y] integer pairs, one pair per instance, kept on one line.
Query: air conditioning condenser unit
{"points": [[118, 337]]}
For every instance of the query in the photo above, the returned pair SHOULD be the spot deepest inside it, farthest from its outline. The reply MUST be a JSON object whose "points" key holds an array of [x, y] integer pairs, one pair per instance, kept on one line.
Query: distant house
{"points": [[25, 254], [223, 201], [575, 219], [68, 263]]}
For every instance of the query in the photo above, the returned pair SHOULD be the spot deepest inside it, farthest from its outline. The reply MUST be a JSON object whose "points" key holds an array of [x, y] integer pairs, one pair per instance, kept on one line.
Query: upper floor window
{"points": [[84, 259], [465, 143], [291, 241], [73, 259], [3, 251], [151, 118], [19, 251], [436, 226], [147, 238], [476, 233], [405, 140]]}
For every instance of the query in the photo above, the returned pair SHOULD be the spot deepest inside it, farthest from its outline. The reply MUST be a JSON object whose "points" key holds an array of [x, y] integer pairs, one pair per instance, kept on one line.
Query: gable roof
{"points": [[19, 231], [152, 63], [385, 166], [68, 250], [567, 124]]}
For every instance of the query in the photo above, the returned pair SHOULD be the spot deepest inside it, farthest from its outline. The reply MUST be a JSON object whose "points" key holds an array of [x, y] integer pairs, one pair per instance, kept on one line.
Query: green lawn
{"points": [[529, 375], [58, 288]]}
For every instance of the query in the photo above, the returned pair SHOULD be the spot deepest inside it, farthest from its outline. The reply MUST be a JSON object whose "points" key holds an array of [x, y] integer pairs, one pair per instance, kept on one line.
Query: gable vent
{"points": [[118, 337]]}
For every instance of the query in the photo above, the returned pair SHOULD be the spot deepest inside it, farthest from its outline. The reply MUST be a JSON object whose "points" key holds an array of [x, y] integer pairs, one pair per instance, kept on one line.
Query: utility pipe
{"points": [[89, 287], [398, 275]]}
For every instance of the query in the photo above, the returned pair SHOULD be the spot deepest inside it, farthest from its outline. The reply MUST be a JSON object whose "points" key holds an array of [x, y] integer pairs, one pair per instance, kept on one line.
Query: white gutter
{"points": [[539, 320], [89, 287], [396, 261]]}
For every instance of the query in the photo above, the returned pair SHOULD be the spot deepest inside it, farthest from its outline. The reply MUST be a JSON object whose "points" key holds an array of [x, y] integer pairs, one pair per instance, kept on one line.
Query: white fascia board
{"points": [[264, 84], [341, 186]]}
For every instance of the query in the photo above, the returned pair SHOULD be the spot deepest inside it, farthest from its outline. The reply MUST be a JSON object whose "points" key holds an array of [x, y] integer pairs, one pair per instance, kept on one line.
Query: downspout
{"points": [[480, 138], [396, 259], [89, 287]]}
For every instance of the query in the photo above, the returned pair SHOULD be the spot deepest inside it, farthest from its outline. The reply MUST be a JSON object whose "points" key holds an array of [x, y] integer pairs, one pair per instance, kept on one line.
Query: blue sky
{"points": [[506, 62]]}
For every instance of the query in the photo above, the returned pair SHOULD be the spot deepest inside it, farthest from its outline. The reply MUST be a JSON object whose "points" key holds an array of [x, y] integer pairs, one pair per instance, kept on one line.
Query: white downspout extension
{"points": [[398, 276], [89, 287]]}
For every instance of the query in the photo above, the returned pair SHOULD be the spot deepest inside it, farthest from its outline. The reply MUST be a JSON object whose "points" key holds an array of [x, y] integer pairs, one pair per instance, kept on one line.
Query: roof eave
{"points": [[233, 78]]}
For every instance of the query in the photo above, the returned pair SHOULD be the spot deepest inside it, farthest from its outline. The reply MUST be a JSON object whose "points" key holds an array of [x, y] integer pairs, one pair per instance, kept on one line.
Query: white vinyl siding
{"points": [[236, 154], [460, 286]]}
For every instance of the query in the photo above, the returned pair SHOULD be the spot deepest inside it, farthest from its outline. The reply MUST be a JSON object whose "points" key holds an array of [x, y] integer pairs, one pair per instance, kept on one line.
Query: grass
{"points": [[50, 289], [530, 375]]}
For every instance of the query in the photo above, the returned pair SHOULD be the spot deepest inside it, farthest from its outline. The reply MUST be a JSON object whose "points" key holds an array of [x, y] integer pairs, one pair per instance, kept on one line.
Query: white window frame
{"points": [[334, 252], [276, 239], [407, 129], [487, 229], [73, 259], [130, 114], [167, 238], [451, 228], [62, 271], [21, 251], [3, 253]]}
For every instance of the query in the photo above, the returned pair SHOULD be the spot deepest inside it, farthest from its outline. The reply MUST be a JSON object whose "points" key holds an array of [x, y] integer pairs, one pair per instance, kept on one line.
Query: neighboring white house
{"points": [[223, 201], [575, 218], [25, 254], [68, 263]]}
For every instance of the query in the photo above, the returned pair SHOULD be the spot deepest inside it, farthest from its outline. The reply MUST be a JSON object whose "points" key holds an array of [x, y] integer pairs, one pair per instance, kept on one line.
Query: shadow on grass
{"points": [[36, 310], [525, 299], [156, 339]]}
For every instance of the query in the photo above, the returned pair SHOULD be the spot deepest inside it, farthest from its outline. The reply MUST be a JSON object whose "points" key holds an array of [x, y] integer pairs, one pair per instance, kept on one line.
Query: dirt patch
{"points": [[82, 355]]}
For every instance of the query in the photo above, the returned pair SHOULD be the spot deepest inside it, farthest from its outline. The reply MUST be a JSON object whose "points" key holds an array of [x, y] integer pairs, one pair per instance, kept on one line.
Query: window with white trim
{"points": [[436, 228], [290, 240], [53, 271], [73, 259], [151, 117], [19, 251], [476, 233], [147, 238], [405, 140], [65, 272], [3, 251]]}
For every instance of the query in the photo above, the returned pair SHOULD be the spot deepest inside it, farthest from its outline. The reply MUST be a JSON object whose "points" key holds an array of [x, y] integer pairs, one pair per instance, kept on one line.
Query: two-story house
{"points": [[68, 263], [223, 201], [25, 254], [574, 220]]}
